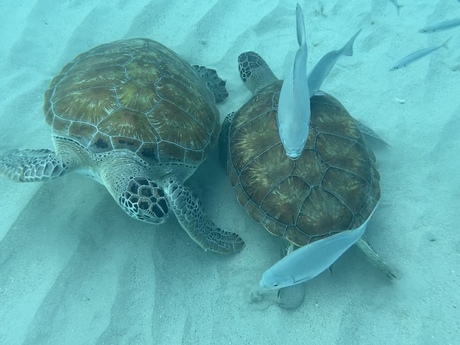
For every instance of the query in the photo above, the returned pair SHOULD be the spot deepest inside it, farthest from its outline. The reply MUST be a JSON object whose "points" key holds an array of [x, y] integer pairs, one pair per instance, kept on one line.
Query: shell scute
{"points": [[135, 95], [333, 186]]}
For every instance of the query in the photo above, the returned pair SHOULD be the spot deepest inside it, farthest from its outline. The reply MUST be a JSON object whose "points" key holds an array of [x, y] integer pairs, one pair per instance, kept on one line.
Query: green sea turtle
{"points": [[331, 188], [137, 118]]}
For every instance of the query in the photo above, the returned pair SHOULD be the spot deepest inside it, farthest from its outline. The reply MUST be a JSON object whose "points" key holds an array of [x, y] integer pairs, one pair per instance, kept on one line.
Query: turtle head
{"points": [[144, 200], [255, 72], [126, 178]]}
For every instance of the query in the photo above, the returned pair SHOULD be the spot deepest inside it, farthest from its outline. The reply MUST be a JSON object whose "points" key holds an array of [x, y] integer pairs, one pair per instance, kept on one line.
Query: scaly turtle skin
{"points": [[333, 186], [136, 117]]}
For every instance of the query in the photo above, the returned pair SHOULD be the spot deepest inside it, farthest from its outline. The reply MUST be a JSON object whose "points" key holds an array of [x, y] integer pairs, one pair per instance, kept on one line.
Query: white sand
{"points": [[74, 269]]}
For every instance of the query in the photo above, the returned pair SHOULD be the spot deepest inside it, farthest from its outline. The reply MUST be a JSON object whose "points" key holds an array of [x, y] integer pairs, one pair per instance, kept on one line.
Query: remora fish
{"points": [[324, 66], [293, 115], [310, 260], [294, 105], [441, 26], [418, 55]]}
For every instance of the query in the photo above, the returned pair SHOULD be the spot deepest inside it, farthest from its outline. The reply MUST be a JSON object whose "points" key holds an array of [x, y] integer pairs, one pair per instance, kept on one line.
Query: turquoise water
{"points": [[75, 269]]}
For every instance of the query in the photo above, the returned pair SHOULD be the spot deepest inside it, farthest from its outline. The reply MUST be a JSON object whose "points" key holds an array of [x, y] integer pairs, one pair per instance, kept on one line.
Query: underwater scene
{"points": [[230, 172]]}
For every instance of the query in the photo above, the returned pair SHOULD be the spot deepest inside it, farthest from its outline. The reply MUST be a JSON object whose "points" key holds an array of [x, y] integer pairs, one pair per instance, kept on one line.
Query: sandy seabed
{"points": [[74, 269]]}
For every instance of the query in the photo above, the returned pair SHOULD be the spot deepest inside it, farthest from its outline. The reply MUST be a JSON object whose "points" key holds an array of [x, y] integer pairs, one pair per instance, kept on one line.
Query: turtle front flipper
{"points": [[213, 81], [190, 214], [31, 165]]}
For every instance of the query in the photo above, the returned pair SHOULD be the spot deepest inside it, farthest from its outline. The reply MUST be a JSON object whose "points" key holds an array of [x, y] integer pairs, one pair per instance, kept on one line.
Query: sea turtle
{"points": [[137, 118], [332, 187]]}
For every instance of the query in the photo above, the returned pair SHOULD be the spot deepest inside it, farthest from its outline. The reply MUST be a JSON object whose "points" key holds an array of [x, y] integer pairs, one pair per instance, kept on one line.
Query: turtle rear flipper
{"points": [[190, 214], [32, 165], [374, 258], [369, 133], [214, 82]]}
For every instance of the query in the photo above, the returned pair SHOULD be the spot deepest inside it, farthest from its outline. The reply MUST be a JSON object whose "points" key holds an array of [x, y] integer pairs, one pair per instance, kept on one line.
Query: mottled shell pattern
{"points": [[134, 95], [333, 186]]}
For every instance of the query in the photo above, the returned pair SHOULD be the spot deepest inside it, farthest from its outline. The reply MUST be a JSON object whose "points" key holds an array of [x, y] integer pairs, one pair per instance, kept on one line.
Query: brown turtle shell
{"points": [[332, 187], [138, 95]]}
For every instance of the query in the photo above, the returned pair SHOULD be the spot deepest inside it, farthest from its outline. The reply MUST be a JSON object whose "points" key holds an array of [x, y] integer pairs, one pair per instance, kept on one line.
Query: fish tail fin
{"points": [[398, 9], [348, 47]]}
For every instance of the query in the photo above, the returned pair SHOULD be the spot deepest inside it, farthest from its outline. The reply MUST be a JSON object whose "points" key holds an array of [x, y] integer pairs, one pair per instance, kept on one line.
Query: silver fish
{"points": [[417, 55], [294, 112], [324, 66], [441, 26], [310, 260]]}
